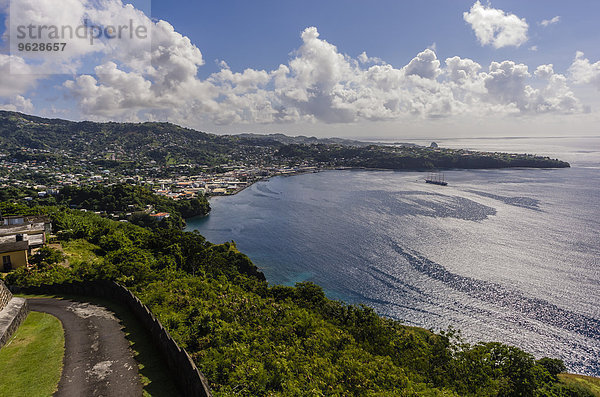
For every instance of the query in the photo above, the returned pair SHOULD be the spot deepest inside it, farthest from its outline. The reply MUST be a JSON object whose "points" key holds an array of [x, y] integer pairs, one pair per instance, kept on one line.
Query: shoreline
{"points": [[224, 213], [315, 171]]}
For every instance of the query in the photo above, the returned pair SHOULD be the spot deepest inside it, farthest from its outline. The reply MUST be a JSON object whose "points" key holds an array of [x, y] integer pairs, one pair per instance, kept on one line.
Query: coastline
{"points": [[324, 169], [300, 233], [266, 178]]}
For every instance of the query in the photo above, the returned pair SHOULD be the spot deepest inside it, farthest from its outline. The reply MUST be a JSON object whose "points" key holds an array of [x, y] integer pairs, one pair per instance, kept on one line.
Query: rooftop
{"points": [[14, 246]]}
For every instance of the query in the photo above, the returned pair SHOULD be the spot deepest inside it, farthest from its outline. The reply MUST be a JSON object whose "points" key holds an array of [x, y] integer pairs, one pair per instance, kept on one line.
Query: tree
{"points": [[554, 366], [46, 256]]}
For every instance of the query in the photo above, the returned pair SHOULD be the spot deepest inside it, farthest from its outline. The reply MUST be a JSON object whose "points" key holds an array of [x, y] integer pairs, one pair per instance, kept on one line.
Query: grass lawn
{"points": [[590, 383], [31, 362], [154, 373]]}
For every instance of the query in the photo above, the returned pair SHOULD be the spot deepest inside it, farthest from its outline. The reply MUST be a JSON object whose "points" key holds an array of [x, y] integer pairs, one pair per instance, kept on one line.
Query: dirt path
{"points": [[98, 360]]}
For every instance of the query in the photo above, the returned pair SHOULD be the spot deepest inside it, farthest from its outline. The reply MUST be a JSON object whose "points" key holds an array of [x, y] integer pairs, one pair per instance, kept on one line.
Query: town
{"points": [[40, 157], [46, 177]]}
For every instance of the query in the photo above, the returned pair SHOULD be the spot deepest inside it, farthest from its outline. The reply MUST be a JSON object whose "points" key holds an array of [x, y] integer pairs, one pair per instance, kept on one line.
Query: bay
{"points": [[504, 255]]}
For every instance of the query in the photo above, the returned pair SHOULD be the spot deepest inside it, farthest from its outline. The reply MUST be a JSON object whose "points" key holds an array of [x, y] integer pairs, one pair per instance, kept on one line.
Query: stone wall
{"points": [[190, 380], [5, 295], [13, 312]]}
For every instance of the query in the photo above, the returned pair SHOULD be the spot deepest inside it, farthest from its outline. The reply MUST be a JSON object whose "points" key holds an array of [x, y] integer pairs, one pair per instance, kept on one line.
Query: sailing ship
{"points": [[436, 179]]}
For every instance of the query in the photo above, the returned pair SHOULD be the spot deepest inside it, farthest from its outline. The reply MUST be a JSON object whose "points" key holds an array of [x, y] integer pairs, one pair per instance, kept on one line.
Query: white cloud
{"points": [[318, 83], [365, 59], [506, 82], [67, 24], [544, 71], [582, 71], [495, 27], [15, 84], [17, 103], [548, 22], [533, 48], [222, 64], [425, 65]]}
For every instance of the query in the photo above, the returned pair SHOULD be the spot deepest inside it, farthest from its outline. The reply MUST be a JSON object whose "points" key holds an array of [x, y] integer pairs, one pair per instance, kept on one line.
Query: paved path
{"points": [[98, 360]]}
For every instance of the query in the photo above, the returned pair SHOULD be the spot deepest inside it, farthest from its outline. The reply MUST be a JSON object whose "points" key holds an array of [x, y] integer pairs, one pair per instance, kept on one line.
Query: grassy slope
{"points": [[78, 251], [588, 382], [31, 363]]}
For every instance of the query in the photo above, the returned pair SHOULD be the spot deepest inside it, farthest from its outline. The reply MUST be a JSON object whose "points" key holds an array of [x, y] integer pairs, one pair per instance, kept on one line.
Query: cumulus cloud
{"points": [[16, 103], [556, 96], [496, 27], [11, 85], [425, 65], [552, 21], [544, 71], [222, 64], [162, 77], [317, 84], [321, 84], [582, 71], [365, 59], [82, 25], [506, 83]]}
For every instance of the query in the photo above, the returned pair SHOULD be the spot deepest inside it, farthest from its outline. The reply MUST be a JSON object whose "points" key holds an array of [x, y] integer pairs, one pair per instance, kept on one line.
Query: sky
{"points": [[349, 68]]}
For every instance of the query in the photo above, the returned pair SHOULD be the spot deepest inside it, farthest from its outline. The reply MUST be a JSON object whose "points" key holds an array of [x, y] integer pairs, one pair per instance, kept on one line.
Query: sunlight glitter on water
{"points": [[507, 255]]}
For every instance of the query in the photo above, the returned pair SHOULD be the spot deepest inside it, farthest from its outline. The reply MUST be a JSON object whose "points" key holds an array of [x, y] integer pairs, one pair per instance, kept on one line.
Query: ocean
{"points": [[503, 255]]}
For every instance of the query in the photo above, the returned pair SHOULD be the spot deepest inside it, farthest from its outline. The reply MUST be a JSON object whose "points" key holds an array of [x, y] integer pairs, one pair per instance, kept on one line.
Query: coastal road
{"points": [[98, 360]]}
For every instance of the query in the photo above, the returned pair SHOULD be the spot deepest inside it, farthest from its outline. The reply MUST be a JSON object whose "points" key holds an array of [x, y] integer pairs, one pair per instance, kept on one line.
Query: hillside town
{"points": [[46, 177], [42, 156]]}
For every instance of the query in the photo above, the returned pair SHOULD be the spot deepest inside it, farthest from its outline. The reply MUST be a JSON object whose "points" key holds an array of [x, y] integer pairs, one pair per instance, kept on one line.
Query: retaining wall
{"points": [[5, 295], [13, 312], [190, 380]]}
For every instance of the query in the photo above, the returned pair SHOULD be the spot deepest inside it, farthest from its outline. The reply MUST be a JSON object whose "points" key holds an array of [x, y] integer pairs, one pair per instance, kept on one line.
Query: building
{"points": [[160, 216], [14, 255], [34, 229], [19, 235]]}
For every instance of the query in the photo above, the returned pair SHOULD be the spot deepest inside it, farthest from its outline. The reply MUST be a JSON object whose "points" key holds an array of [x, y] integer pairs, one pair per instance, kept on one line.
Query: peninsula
{"points": [[49, 154]]}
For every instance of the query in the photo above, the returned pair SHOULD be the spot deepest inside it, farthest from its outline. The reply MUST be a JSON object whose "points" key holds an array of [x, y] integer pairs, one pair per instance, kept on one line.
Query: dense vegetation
{"points": [[252, 339], [131, 202], [163, 142], [12, 193], [138, 200], [397, 158]]}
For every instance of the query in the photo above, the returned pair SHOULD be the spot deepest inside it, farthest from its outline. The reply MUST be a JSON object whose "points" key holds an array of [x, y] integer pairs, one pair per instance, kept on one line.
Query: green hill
{"points": [[253, 339], [126, 146]]}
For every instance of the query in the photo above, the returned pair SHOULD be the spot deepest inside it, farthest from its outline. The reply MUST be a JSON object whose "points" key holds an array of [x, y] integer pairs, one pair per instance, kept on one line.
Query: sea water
{"points": [[507, 255]]}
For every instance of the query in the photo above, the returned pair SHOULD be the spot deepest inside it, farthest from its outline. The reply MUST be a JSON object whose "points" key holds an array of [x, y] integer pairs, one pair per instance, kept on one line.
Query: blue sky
{"points": [[354, 68], [260, 34]]}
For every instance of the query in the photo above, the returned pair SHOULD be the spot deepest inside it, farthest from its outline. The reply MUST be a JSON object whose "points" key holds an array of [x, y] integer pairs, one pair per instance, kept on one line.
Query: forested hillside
{"points": [[123, 147], [253, 339], [164, 143]]}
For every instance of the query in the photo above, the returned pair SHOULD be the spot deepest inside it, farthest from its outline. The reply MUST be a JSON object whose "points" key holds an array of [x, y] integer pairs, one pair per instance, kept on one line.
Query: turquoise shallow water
{"points": [[509, 255]]}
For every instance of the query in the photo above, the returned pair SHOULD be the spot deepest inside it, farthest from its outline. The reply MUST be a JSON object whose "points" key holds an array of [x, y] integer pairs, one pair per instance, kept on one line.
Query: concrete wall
{"points": [[190, 380], [13, 312]]}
